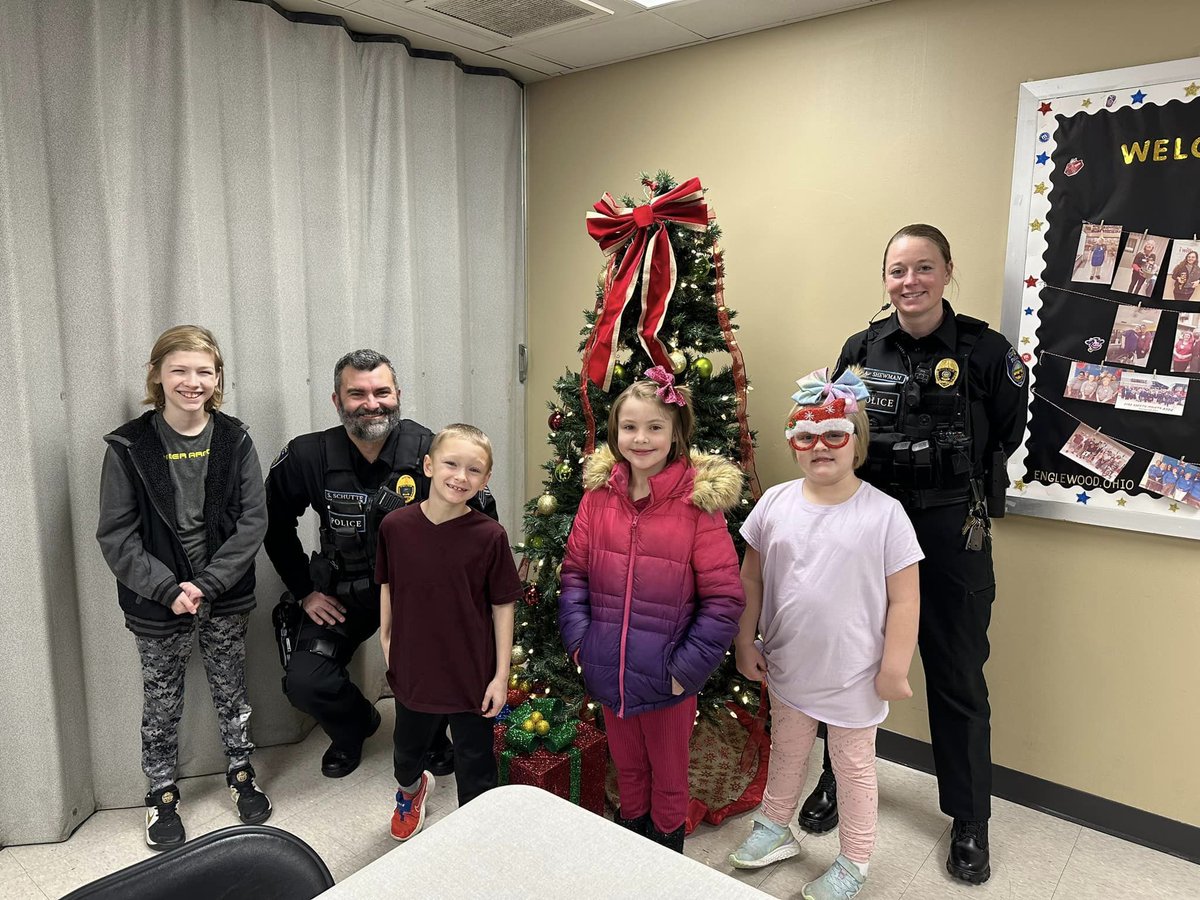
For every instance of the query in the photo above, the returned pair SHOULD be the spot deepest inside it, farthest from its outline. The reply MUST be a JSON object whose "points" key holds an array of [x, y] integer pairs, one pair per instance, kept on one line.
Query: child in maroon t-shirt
{"points": [[448, 586]]}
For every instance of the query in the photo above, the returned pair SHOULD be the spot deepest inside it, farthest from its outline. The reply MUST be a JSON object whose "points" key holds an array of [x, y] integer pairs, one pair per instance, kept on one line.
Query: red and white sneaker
{"points": [[409, 816]]}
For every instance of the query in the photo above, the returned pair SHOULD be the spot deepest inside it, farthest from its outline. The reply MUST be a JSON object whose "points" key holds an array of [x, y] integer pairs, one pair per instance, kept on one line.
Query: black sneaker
{"points": [[440, 760], [164, 828], [253, 806]]}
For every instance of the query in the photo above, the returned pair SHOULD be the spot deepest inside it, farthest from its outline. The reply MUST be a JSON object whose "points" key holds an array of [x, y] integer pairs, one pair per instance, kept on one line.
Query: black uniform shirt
{"points": [[996, 377]]}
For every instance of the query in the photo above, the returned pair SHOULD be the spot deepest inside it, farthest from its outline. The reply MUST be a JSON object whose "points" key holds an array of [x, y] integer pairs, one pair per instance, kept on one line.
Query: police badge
{"points": [[945, 373]]}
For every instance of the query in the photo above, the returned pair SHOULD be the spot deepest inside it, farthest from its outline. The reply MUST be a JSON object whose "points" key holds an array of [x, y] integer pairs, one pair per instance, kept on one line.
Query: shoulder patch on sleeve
{"points": [[1014, 367], [281, 457]]}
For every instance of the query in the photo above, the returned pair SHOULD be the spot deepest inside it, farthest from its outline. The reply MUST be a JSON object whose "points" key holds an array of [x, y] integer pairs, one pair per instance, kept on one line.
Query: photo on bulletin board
{"points": [[1137, 272], [1183, 276], [1117, 149], [1097, 255]]}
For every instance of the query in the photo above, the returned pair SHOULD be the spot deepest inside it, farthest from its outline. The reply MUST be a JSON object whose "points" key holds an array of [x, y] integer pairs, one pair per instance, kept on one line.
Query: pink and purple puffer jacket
{"points": [[655, 593]]}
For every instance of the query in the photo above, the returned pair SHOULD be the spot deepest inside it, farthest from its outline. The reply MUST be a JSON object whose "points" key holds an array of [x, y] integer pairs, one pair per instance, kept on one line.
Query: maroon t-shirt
{"points": [[444, 580]]}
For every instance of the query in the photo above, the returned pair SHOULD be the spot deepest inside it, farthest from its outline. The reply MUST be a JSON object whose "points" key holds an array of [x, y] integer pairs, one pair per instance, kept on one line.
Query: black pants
{"points": [[957, 590], [474, 764], [320, 685]]}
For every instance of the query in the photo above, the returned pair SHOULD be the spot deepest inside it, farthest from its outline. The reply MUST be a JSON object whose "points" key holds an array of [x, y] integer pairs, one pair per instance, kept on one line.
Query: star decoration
{"points": [[1082, 497], [1025, 340], [1191, 90], [1174, 507], [1029, 310], [1043, 158], [1087, 101], [1138, 97], [1030, 281], [1044, 108], [1040, 187], [1036, 225], [1019, 485], [1121, 501]]}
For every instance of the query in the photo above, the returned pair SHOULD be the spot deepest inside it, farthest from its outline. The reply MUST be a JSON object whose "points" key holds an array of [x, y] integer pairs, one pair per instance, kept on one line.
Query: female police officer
{"points": [[948, 403]]}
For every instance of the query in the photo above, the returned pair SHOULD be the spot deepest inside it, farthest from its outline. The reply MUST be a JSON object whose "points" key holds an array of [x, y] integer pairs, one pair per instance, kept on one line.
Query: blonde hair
{"points": [[683, 420], [464, 432], [185, 338], [862, 432]]}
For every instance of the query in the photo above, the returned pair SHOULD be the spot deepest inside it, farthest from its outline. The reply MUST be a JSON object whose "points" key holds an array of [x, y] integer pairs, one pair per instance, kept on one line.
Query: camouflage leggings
{"points": [[164, 664]]}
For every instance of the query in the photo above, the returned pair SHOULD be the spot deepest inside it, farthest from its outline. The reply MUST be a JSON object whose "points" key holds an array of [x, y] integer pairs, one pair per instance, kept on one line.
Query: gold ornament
{"points": [[562, 472], [528, 725], [703, 368], [547, 505], [519, 655], [678, 361], [513, 680], [618, 373], [542, 728], [525, 685], [536, 716]]}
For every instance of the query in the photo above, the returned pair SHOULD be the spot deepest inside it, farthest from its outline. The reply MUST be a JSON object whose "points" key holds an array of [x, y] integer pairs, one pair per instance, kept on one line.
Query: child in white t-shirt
{"points": [[831, 584]]}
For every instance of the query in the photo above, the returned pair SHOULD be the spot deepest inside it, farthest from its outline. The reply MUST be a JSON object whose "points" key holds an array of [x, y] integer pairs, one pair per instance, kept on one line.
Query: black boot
{"points": [[637, 826], [969, 859], [819, 813], [440, 758], [672, 840]]}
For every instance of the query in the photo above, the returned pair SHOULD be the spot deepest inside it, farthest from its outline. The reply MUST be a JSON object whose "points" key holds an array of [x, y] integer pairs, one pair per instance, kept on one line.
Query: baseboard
{"points": [[1126, 822]]}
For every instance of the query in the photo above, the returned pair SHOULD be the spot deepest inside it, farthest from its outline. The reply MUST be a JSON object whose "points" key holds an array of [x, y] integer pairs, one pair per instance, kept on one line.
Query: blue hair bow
{"points": [[816, 389]]}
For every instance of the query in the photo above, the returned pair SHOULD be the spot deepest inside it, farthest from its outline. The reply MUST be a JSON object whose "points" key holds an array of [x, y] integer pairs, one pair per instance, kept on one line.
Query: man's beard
{"points": [[375, 430]]}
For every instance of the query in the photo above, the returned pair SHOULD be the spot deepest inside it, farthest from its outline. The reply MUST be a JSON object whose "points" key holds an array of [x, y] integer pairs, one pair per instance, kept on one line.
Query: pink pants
{"points": [[852, 752], [651, 753]]}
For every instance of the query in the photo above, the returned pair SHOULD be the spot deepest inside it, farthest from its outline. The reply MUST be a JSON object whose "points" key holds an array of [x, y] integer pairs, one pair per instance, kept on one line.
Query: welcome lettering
{"points": [[1160, 150]]}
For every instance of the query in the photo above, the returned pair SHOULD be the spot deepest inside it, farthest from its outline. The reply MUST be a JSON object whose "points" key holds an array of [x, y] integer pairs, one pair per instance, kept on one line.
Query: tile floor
{"points": [[345, 821]]}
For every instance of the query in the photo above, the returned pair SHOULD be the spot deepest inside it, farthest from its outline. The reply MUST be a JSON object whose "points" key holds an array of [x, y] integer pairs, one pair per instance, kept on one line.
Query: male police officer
{"points": [[351, 475], [948, 404]]}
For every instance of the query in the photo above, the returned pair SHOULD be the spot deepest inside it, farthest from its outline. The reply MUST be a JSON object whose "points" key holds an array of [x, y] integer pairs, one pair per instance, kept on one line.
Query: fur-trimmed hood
{"points": [[716, 486]]}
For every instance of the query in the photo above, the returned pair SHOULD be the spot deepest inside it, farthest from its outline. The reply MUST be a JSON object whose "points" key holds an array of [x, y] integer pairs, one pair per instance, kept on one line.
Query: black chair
{"points": [[254, 862]]}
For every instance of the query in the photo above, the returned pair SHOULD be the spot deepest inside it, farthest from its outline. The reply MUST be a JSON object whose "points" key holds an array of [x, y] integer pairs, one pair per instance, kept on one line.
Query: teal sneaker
{"points": [[769, 842], [841, 882]]}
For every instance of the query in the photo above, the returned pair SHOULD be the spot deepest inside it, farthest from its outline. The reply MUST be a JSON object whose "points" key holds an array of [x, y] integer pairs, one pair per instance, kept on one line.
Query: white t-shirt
{"points": [[825, 597]]}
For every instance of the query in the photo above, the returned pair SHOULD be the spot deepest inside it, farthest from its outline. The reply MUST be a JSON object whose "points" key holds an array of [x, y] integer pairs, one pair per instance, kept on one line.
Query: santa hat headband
{"points": [[824, 403]]}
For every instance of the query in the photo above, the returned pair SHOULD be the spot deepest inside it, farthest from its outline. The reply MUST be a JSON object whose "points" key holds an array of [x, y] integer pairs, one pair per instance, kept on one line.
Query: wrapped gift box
{"points": [[552, 771]]}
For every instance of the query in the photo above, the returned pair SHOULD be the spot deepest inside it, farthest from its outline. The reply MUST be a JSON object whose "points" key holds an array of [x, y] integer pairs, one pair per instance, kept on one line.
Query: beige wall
{"points": [[817, 141]]}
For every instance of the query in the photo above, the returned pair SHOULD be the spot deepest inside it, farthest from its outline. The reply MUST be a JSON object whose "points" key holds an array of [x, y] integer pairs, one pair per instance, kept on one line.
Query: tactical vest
{"points": [[345, 565], [926, 429]]}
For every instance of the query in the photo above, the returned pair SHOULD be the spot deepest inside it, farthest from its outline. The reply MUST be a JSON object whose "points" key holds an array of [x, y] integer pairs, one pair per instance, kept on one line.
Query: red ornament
{"points": [[556, 420], [532, 595]]}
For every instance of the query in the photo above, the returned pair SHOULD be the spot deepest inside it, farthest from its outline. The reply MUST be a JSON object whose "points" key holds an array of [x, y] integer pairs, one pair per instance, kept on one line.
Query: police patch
{"points": [[281, 457], [945, 373], [1014, 367], [883, 402], [406, 488]]}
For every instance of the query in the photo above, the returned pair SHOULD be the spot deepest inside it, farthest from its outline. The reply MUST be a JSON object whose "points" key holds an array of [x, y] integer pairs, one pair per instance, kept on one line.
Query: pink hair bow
{"points": [[666, 392]]}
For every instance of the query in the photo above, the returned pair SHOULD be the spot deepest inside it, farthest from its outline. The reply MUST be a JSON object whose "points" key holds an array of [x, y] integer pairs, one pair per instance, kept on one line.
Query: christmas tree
{"points": [[671, 233]]}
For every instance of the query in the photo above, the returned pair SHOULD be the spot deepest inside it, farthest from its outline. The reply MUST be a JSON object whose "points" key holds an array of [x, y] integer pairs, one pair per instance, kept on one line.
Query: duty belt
{"points": [[929, 498]]}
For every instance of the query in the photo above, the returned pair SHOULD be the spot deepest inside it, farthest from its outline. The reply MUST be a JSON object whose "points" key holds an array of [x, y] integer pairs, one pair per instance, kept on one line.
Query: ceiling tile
{"points": [[610, 41], [522, 57], [716, 18], [422, 23]]}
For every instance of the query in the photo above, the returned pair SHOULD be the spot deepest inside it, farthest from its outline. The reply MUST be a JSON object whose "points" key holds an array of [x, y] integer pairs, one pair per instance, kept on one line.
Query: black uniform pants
{"points": [[474, 762], [321, 686], [957, 590]]}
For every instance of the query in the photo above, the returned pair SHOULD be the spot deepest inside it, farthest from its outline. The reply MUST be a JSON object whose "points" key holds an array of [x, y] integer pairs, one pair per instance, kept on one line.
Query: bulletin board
{"points": [[1102, 298]]}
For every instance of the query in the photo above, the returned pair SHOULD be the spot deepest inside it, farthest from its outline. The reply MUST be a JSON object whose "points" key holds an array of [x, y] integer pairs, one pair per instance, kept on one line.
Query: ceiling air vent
{"points": [[515, 18]]}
